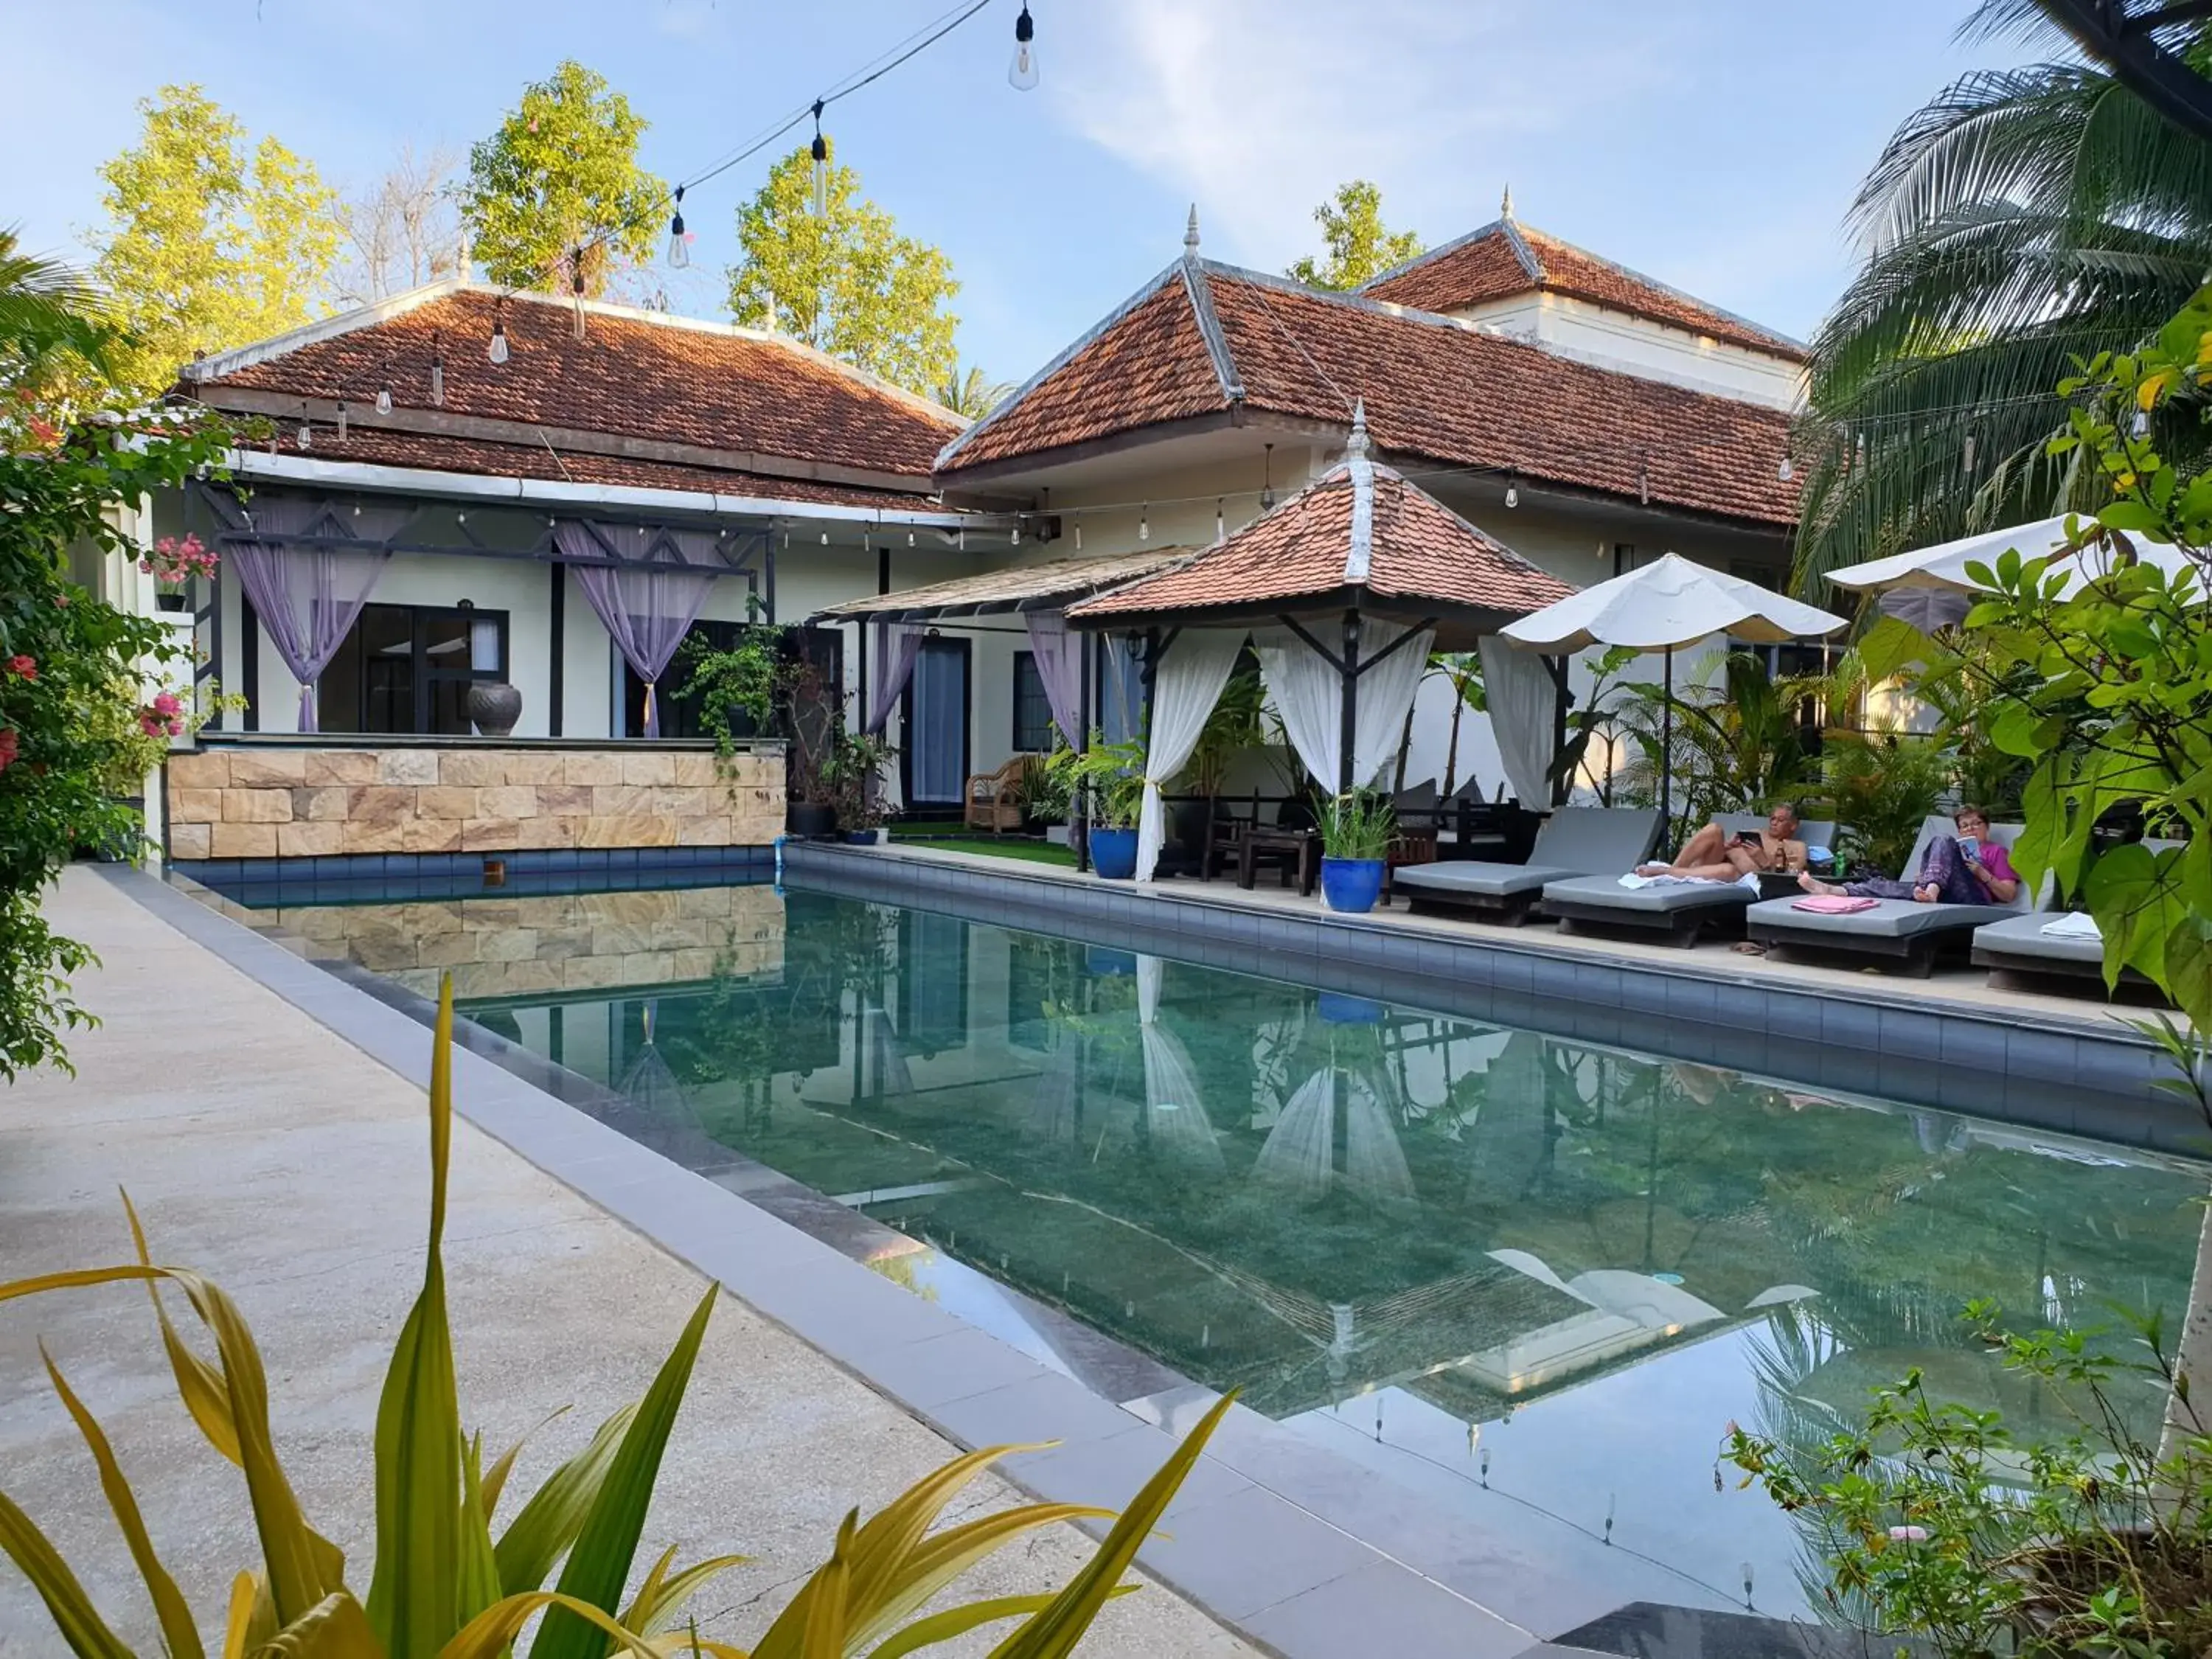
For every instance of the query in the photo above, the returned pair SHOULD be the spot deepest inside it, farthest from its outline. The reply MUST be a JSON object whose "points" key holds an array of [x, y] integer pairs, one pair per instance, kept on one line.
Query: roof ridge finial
{"points": [[1505, 203], [1355, 447], [1190, 235]]}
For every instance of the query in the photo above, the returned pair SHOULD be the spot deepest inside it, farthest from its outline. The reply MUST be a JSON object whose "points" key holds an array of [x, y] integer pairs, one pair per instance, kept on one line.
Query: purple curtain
{"points": [[649, 601], [308, 598], [1061, 667], [897, 644]]}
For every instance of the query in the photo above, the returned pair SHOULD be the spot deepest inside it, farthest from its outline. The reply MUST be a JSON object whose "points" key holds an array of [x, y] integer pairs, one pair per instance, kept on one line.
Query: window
{"points": [[408, 667], [1627, 556], [1032, 708], [1119, 678]]}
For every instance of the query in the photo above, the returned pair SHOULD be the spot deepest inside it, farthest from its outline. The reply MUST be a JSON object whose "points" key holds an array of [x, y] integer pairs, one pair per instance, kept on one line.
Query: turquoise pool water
{"points": [[1520, 1275]]}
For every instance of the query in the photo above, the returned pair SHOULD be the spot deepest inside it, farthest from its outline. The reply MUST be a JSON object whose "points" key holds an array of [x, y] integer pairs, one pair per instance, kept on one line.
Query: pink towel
{"points": [[1833, 904]]}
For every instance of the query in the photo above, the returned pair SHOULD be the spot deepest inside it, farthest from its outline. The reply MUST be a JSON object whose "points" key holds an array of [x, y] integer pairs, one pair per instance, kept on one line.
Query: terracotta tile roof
{"points": [[1436, 389], [635, 374], [1420, 550], [1509, 257], [437, 453], [1017, 587]]}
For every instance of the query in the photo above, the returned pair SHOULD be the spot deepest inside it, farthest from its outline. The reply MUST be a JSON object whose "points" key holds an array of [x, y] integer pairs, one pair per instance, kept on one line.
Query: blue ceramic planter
{"points": [[1114, 854], [1351, 885]]}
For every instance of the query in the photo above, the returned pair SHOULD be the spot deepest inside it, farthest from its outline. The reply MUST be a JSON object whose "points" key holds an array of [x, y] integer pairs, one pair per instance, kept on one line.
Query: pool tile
{"points": [[1905, 1033], [939, 1369], [1108, 1470], [1383, 1609], [1975, 1044], [1249, 1549], [2048, 1056], [1047, 1407]]}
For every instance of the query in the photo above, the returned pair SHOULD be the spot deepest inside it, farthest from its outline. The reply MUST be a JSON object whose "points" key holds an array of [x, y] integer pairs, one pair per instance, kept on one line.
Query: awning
{"points": [[1051, 585]]}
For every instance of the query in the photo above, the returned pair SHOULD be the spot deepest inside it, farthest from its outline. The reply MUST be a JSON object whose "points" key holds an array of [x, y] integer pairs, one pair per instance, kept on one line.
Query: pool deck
{"points": [[266, 1147], [2048, 1060]]}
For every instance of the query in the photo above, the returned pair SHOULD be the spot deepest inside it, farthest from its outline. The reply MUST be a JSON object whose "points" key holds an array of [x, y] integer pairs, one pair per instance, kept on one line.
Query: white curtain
{"points": [[1175, 1115], [1524, 708], [1300, 1151], [886, 1059], [1188, 684], [1374, 1163], [1308, 692]]}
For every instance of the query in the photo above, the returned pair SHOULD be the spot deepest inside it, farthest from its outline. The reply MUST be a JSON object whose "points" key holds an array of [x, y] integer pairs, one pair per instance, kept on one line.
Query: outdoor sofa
{"points": [[1575, 840], [1904, 931], [2018, 945], [1680, 911]]}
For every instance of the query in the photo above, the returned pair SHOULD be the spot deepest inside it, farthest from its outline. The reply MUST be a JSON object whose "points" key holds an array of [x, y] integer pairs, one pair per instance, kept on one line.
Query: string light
{"points": [[437, 368], [1145, 522], [1968, 459], [1017, 541], [306, 429], [1786, 471], [1078, 535], [1512, 492], [679, 240], [342, 419], [1022, 73], [820, 151], [496, 352], [1267, 478], [576, 288], [1221, 523], [2140, 426], [384, 392]]}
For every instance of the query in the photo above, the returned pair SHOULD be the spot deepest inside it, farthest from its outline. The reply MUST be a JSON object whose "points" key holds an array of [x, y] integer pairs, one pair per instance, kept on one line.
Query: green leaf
{"points": [[599, 1564], [414, 1599], [1890, 647], [2136, 903], [2189, 967], [535, 1539], [2021, 730], [74, 1616], [2129, 515]]}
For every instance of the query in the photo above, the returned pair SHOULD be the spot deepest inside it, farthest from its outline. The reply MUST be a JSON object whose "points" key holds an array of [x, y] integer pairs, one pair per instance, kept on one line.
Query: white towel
{"points": [[1633, 881], [2075, 924]]}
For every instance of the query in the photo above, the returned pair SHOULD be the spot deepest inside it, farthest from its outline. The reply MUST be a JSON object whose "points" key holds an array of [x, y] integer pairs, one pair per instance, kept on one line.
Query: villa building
{"points": [[520, 489]]}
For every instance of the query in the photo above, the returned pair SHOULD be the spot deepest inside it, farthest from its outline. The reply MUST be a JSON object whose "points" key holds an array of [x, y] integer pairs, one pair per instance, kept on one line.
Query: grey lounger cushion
{"points": [[2021, 941], [1893, 924], [1575, 840], [1602, 898]]}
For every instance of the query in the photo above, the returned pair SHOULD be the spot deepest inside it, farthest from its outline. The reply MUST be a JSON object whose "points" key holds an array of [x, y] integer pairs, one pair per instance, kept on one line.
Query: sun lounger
{"points": [[1575, 840], [2021, 944], [1901, 930], [1680, 910]]}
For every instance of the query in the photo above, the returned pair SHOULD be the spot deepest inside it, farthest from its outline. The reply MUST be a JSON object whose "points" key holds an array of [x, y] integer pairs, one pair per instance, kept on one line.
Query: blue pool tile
{"points": [[1598, 984], [1514, 972], [1698, 999], [1909, 1034], [1850, 1025], [2046, 1056]]}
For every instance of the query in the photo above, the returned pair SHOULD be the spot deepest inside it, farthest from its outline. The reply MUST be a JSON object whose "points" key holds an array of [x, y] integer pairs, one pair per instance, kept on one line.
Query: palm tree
{"points": [[48, 312], [2024, 218], [974, 395]]}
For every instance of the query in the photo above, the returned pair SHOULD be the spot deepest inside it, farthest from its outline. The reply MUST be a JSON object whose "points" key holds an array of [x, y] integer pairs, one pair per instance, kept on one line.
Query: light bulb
{"points": [[383, 400], [1022, 73], [679, 240], [1786, 471], [438, 381], [1144, 525], [909, 538], [1017, 533], [342, 419], [1512, 495], [821, 153], [306, 436], [1078, 535], [496, 352], [2139, 427]]}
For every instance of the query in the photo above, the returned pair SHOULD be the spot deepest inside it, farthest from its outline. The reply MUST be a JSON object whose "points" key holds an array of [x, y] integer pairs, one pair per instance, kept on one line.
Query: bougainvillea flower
{"points": [[22, 667], [10, 747]]}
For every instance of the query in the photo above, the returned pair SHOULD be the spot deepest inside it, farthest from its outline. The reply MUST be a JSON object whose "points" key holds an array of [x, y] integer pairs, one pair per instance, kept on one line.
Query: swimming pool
{"points": [[1528, 1278]]}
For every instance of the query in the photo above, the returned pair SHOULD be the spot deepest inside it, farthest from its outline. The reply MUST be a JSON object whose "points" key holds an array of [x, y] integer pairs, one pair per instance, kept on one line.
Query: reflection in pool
{"points": [[1506, 1270]]}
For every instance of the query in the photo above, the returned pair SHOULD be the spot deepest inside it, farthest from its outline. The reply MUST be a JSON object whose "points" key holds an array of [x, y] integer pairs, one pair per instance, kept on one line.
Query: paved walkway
{"points": [[264, 1149]]}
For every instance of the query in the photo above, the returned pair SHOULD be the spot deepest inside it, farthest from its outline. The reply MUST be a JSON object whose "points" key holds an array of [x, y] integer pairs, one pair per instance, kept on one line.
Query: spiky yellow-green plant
{"points": [[443, 1586]]}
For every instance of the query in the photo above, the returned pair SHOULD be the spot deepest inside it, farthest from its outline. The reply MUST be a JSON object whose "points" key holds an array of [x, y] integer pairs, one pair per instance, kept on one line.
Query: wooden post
{"points": [[1348, 724]]}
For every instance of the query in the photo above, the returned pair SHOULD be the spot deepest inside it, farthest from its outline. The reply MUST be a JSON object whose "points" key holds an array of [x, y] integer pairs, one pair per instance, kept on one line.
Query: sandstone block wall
{"points": [[564, 942], [300, 803]]}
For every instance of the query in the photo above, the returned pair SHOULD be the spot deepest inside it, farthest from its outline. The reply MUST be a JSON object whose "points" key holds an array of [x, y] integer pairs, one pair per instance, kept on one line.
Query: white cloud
{"points": [[1257, 109]]}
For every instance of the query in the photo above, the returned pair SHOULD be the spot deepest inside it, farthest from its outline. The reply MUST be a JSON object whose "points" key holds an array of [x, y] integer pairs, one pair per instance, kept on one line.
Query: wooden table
{"points": [[1302, 846]]}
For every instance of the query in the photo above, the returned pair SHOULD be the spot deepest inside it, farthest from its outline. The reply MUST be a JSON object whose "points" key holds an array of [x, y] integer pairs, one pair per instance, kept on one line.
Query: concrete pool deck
{"points": [[263, 1147]]}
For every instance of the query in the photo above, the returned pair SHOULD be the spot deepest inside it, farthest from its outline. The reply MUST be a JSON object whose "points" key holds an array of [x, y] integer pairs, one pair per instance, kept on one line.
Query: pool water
{"points": [[1532, 1279]]}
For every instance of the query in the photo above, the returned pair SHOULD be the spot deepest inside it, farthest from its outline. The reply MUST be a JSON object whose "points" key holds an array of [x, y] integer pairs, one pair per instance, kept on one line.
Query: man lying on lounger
{"points": [[1714, 854], [1968, 868]]}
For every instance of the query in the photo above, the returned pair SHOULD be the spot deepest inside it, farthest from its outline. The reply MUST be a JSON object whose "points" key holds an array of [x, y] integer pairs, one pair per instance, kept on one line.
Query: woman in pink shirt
{"points": [[1949, 874]]}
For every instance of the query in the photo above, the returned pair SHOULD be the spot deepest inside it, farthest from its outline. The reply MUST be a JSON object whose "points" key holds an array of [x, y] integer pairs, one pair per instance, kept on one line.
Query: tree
{"points": [[1359, 246], [844, 281], [559, 174], [975, 394], [2022, 220], [403, 232], [54, 325], [206, 249]]}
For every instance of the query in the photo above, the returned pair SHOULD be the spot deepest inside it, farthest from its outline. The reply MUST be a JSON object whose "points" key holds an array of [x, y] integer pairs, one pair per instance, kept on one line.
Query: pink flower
{"points": [[23, 668], [149, 725], [10, 747], [1908, 1534], [176, 728], [166, 703]]}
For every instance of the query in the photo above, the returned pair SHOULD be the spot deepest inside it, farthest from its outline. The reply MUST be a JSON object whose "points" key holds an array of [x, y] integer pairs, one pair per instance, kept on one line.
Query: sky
{"points": [[1715, 145]]}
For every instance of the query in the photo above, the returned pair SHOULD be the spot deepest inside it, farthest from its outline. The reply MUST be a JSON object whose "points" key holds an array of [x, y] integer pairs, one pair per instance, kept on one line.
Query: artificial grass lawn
{"points": [[1036, 852]]}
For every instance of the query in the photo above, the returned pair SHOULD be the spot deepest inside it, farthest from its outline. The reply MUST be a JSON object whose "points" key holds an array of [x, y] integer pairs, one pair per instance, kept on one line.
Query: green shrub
{"points": [[443, 1585]]}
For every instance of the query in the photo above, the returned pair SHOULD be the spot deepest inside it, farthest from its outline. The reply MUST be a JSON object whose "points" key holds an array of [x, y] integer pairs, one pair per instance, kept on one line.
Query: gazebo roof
{"points": [[1046, 586], [1359, 537]]}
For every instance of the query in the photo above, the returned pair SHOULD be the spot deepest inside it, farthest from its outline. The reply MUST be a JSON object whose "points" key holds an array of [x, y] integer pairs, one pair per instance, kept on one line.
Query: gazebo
{"points": [[1343, 590]]}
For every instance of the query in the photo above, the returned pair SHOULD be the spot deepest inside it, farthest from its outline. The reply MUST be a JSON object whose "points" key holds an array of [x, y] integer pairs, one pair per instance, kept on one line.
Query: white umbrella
{"points": [[1944, 565], [1660, 606]]}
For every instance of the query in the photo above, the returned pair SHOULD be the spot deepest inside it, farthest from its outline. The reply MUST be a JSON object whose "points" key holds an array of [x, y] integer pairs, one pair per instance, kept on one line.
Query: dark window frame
{"points": [[1025, 661], [422, 673]]}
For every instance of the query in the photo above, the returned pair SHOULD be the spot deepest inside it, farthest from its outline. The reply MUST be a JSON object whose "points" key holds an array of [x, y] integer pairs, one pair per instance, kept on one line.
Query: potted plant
{"points": [[1108, 778], [173, 564], [137, 728], [1356, 832], [1045, 801], [854, 772]]}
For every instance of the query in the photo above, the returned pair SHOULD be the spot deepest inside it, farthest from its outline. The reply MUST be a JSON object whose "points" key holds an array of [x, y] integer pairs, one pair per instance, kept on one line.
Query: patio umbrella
{"points": [[1924, 607], [1941, 568], [1661, 606]]}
